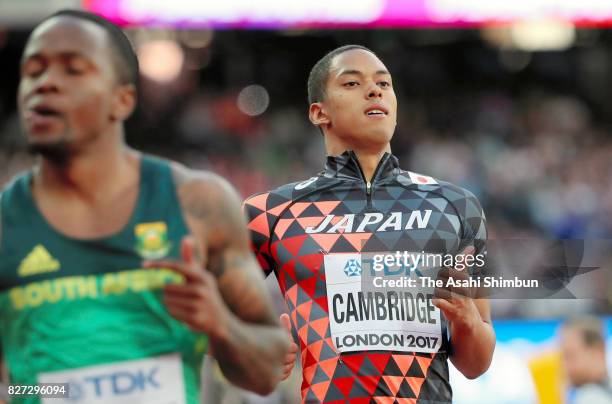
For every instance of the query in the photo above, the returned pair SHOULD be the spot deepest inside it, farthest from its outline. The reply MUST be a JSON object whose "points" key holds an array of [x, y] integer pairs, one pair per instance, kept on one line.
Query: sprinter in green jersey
{"points": [[119, 270]]}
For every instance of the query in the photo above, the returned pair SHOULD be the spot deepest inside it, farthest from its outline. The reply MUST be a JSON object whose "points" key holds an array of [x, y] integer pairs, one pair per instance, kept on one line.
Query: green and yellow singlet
{"points": [[85, 312]]}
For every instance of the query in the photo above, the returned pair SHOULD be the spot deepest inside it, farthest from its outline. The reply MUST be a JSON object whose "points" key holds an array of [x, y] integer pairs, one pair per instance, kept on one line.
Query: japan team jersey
{"points": [[360, 346]]}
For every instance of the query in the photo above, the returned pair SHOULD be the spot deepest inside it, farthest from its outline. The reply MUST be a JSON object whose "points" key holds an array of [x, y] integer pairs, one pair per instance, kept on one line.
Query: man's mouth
{"points": [[44, 111], [376, 110], [41, 117]]}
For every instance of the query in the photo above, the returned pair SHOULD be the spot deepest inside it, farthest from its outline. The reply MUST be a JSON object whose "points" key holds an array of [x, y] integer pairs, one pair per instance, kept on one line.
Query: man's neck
{"points": [[89, 174], [368, 157], [369, 161]]}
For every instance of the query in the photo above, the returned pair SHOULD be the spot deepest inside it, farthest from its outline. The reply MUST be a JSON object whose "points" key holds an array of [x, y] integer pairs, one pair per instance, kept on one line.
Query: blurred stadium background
{"points": [[508, 99]]}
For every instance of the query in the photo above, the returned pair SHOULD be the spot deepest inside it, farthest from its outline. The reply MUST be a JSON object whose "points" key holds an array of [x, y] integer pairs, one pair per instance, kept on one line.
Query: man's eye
{"points": [[32, 68], [75, 69], [351, 84], [384, 84]]}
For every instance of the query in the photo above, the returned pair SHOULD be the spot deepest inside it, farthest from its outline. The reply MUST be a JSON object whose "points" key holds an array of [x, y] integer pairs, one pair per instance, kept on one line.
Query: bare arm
{"points": [[472, 334], [474, 339], [247, 339]]}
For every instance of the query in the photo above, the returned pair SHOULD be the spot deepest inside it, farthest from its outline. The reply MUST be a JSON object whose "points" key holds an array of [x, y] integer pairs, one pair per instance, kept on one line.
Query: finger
{"points": [[196, 255], [177, 266], [444, 305], [189, 254], [467, 251], [458, 283], [186, 302], [290, 360], [286, 373], [462, 292], [443, 293], [180, 313], [177, 290], [293, 348], [286, 322]]}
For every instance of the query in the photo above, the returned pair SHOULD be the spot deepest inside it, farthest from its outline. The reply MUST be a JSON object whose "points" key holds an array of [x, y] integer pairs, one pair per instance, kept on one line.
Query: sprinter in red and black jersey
{"points": [[315, 234]]}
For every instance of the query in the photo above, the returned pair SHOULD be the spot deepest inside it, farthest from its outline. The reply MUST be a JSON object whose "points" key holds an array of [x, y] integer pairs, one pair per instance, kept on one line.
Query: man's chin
{"points": [[382, 137], [55, 151]]}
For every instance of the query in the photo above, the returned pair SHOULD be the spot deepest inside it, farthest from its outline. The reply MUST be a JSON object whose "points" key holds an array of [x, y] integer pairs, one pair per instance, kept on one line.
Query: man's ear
{"points": [[124, 102], [318, 115]]}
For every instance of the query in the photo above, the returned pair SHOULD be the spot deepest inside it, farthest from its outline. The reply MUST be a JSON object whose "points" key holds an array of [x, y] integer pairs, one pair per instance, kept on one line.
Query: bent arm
{"points": [[473, 339], [250, 345]]}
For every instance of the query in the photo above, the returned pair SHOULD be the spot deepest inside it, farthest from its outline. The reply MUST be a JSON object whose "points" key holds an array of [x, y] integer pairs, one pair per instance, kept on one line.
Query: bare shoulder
{"points": [[200, 186], [199, 180], [208, 199]]}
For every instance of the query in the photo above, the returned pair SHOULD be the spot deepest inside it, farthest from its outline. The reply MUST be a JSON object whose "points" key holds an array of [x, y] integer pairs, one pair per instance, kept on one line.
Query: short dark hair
{"points": [[125, 60], [317, 79]]}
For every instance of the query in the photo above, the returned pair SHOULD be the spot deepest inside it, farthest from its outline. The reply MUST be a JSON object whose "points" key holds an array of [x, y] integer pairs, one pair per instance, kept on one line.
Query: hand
{"points": [[197, 302], [456, 301], [291, 356]]}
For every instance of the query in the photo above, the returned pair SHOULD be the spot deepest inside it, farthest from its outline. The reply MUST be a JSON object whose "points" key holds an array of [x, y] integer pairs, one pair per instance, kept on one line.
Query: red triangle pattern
{"points": [[325, 241], [291, 295], [320, 389], [315, 349], [344, 384], [293, 244], [297, 208], [320, 326], [369, 383], [403, 362], [260, 224], [384, 400], [309, 360], [312, 261], [289, 270], [394, 383], [329, 366], [406, 400], [415, 384], [281, 227], [424, 363], [302, 333], [322, 302], [304, 310], [259, 201], [308, 286], [354, 362], [278, 210], [357, 240], [380, 361], [308, 372], [327, 207], [313, 221]]}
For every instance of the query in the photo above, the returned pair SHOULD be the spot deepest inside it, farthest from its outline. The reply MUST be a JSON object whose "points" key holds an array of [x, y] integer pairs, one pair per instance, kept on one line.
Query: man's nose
{"points": [[48, 81], [374, 91]]}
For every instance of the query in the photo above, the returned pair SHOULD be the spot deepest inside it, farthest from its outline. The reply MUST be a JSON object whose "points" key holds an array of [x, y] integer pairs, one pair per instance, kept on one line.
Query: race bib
{"points": [[363, 318], [157, 380]]}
